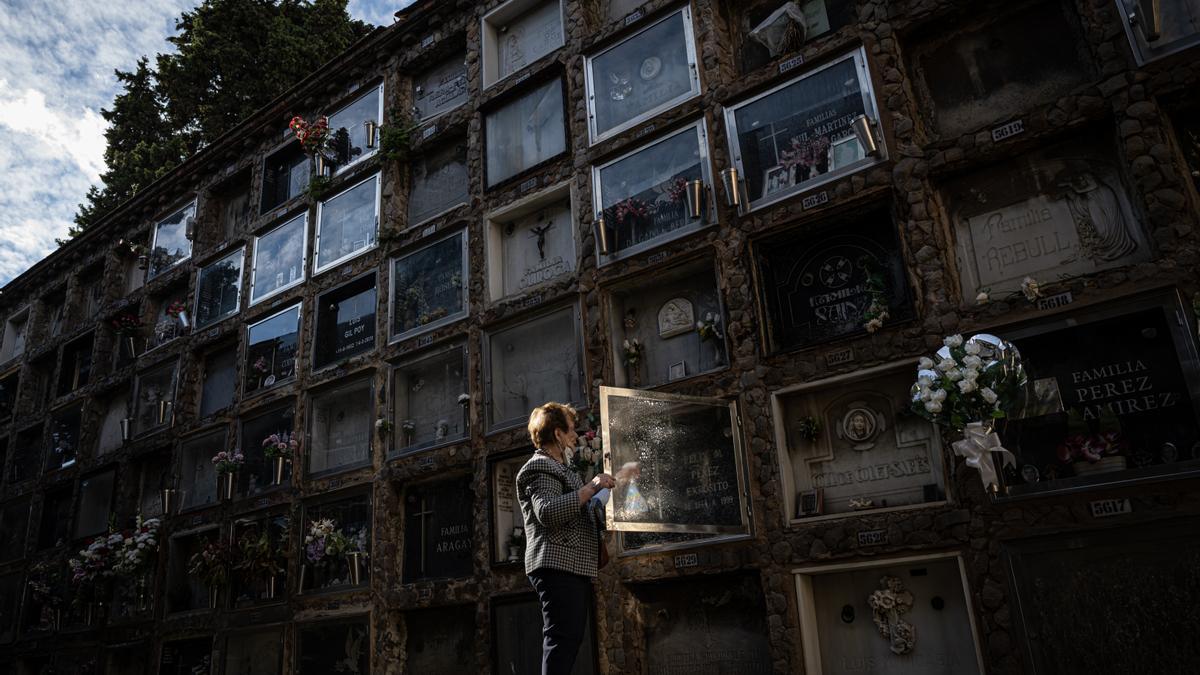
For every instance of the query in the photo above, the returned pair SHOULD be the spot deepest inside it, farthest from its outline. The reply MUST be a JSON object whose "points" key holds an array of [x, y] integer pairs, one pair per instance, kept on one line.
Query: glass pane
{"points": [[428, 405], [647, 71], [220, 382], [342, 422], [197, 474], [256, 475], [333, 648], [8, 396], [534, 249], [532, 363], [278, 258], [110, 427], [218, 288], [345, 322], [347, 223], [352, 517], [348, 129], [254, 653], [95, 501], [526, 132], [170, 241], [800, 132], [10, 599], [517, 632], [428, 286], [186, 657], [14, 524], [285, 175], [531, 36], [64, 437], [643, 195], [441, 640], [254, 586], [441, 88], [271, 353], [439, 183], [438, 526], [155, 399], [650, 436]]}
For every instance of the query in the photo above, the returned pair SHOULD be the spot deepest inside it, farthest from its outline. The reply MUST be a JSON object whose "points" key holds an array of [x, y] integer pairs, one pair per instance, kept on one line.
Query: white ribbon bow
{"points": [[976, 446]]}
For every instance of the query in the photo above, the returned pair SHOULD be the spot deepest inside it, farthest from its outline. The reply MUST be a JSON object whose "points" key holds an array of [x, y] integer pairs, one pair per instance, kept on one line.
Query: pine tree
{"points": [[233, 57]]}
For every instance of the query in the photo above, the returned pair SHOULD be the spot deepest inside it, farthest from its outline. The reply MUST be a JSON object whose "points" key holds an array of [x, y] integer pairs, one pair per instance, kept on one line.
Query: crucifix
{"points": [[423, 514], [540, 234]]}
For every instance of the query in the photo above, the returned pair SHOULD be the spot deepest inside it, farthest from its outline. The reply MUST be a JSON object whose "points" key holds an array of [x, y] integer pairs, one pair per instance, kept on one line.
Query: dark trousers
{"points": [[566, 604]]}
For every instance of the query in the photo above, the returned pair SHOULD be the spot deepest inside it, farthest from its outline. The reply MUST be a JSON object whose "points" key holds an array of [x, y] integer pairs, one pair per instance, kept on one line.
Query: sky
{"points": [[56, 74]]}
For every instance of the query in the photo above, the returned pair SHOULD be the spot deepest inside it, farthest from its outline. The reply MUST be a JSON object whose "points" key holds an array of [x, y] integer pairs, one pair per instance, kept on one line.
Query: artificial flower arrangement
{"points": [[126, 323], [807, 155], [1091, 448], [632, 353], [709, 327], [125, 553], [808, 428], [228, 461], [312, 136], [970, 385], [325, 541], [212, 563], [678, 190], [1031, 290], [588, 454], [464, 399], [280, 445], [631, 210], [257, 554], [876, 286], [126, 247]]}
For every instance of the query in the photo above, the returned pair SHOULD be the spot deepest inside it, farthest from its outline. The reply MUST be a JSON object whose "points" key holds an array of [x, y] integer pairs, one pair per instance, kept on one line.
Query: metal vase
{"points": [[164, 411], [864, 131], [272, 586], [278, 465], [303, 575], [695, 198], [184, 322], [126, 428], [354, 561], [168, 500], [225, 483], [89, 613], [57, 619], [131, 345], [214, 596], [733, 187]]}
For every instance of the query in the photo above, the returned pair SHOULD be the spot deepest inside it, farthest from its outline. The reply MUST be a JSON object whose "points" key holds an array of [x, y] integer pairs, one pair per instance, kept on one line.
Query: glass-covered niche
{"points": [[1160, 27], [168, 324], [440, 88], [172, 241], [116, 414], [271, 350], [197, 474], [350, 516], [801, 134], [345, 322], [155, 398], [354, 130], [771, 29], [428, 398], [516, 34], [439, 182], [26, 455], [10, 603], [90, 294], [648, 72], [76, 367], [441, 640], [220, 381], [54, 529], [823, 284], [438, 528], [342, 422], [517, 638], [8, 395], [231, 202], [257, 474], [14, 527], [285, 175], [127, 659], [14, 336], [525, 132], [508, 526], [642, 196], [1060, 210], [279, 258], [185, 591], [533, 362], [530, 243], [1113, 396], [95, 503], [924, 622], [154, 473], [254, 652], [429, 286], [63, 440], [846, 445], [219, 288], [677, 321], [647, 436], [347, 224], [333, 647], [262, 542]]}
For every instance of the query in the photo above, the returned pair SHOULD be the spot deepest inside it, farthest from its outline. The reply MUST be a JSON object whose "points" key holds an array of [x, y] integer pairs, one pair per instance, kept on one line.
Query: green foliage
{"points": [[318, 186], [396, 138], [232, 57]]}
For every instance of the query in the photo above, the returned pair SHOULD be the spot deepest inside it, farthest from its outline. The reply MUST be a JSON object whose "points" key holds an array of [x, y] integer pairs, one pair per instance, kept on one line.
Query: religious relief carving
{"points": [[860, 425], [676, 317], [888, 606], [783, 31]]}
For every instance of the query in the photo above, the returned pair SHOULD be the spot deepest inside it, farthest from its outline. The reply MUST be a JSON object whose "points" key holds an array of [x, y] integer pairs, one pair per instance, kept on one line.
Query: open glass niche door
{"points": [[679, 461]]}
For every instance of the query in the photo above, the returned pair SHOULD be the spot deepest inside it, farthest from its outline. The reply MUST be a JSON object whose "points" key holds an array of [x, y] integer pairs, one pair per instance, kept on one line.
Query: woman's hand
{"points": [[602, 480]]}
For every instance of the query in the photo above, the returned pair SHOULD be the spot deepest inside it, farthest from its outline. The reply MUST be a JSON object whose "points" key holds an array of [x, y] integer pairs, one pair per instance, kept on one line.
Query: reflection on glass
{"points": [[532, 363], [1159, 28], [64, 437], [443, 87], [643, 195], [171, 244], [346, 223], [271, 353], [197, 473], [255, 475], [345, 322], [644, 73], [526, 132], [95, 501], [353, 518], [154, 387], [342, 421], [802, 131], [278, 259], [528, 38], [285, 175], [428, 408], [333, 648], [348, 129], [428, 286], [218, 289], [254, 653], [439, 183], [220, 382]]}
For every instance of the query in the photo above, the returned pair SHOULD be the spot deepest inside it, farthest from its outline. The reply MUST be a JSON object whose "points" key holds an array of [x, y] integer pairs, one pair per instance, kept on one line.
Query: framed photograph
{"points": [[810, 503], [677, 371], [775, 179]]}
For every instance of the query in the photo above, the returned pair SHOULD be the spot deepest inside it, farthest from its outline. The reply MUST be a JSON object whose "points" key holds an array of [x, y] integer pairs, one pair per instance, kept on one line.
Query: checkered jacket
{"points": [[559, 533]]}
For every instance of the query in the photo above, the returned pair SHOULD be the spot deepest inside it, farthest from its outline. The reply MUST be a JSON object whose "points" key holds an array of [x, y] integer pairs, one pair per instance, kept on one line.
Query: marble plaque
{"points": [[440, 641], [341, 647], [347, 223], [428, 286], [154, 473], [531, 363], [506, 513], [186, 657], [426, 393], [345, 322], [528, 37], [254, 653], [271, 349], [536, 248], [675, 317], [817, 283], [342, 424], [517, 636], [1057, 211], [438, 531], [439, 182], [197, 475], [441, 88], [218, 289], [526, 132], [935, 611], [110, 426]]}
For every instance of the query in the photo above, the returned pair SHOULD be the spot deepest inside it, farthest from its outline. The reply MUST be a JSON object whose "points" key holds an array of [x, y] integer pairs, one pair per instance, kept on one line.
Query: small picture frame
{"points": [[810, 503], [677, 371], [775, 179]]}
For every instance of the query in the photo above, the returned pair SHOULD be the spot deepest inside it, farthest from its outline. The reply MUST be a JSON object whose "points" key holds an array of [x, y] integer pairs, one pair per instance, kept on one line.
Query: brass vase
{"points": [[272, 586], [225, 483], [168, 500], [214, 596], [278, 465], [354, 562], [303, 575]]}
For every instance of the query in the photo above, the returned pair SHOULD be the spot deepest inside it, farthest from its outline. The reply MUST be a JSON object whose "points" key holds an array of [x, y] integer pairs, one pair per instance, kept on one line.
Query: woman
{"points": [[564, 522]]}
